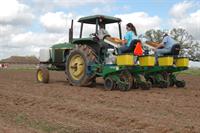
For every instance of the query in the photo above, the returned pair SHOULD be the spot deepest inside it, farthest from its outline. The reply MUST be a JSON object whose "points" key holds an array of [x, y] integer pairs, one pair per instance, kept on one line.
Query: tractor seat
{"points": [[174, 50]]}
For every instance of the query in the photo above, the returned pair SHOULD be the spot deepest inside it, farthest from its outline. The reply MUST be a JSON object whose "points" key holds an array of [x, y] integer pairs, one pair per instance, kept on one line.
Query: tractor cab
{"points": [[100, 21], [96, 39], [102, 33]]}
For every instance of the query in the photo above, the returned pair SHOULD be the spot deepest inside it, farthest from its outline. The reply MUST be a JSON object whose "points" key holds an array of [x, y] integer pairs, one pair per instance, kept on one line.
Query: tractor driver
{"points": [[102, 32]]}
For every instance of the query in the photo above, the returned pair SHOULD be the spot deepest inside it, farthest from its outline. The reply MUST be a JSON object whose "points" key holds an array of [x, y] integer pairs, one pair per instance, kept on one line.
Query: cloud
{"points": [[141, 20], [102, 10], [15, 17], [16, 38], [59, 22], [29, 43], [14, 13], [6, 34], [7, 30], [191, 23], [179, 10], [188, 17], [35, 39], [50, 5], [17, 41], [55, 22], [72, 3]]}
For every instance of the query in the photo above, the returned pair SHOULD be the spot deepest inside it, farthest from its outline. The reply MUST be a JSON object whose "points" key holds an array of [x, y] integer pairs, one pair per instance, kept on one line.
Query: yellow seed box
{"points": [[147, 60], [165, 61], [182, 62], [125, 59]]}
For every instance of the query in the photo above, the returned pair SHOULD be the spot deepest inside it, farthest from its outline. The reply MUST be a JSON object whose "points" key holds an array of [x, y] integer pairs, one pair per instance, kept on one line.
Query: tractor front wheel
{"points": [[42, 75]]}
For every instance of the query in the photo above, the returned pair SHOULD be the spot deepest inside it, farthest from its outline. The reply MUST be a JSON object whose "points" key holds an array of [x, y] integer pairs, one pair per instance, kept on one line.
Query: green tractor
{"points": [[85, 59]]}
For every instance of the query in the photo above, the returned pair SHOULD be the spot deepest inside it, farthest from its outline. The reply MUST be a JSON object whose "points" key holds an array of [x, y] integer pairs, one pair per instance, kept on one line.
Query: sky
{"points": [[26, 26]]}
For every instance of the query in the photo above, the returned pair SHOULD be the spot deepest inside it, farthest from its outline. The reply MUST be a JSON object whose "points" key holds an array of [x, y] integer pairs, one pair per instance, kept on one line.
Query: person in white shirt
{"points": [[102, 32]]}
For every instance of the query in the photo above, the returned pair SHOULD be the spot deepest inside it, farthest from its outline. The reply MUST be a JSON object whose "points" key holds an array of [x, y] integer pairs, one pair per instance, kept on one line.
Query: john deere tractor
{"points": [[85, 59]]}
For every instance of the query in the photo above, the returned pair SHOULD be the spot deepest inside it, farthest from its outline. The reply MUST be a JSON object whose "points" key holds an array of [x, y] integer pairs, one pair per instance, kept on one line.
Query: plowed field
{"points": [[29, 107]]}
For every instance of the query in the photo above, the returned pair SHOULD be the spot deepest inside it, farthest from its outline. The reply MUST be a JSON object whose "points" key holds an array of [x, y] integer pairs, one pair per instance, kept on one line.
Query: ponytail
{"points": [[132, 27]]}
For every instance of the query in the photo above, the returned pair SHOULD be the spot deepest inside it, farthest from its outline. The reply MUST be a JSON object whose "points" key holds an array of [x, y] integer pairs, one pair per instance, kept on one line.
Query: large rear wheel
{"points": [[78, 63]]}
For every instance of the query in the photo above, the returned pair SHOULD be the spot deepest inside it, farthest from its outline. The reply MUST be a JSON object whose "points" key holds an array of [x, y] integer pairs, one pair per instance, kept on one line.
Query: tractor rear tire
{"points": [[42, 75], [77, 65]]}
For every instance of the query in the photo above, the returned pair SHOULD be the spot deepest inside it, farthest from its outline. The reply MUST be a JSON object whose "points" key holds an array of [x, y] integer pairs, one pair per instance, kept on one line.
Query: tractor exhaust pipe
{"points": [[71, 32]]}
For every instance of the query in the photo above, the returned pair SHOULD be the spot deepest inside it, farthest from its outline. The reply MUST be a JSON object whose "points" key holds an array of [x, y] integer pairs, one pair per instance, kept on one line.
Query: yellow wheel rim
{"points": [[40, 76], [77, 67]]}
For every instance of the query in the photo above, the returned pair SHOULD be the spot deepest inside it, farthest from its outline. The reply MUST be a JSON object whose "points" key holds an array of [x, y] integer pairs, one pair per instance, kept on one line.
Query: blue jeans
{"points": [[123, 49], [161, 52]]}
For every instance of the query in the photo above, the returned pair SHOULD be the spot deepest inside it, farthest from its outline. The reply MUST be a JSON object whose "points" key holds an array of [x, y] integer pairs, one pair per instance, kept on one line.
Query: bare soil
{"points": [[30, 107]]}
